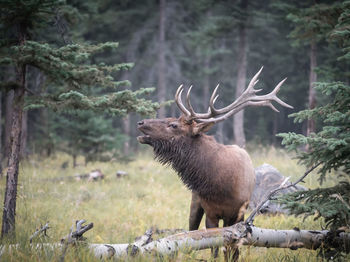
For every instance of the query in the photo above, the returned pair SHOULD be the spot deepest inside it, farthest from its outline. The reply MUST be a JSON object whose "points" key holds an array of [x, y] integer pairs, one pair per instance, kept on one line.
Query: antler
{"points": [[248, 98]]}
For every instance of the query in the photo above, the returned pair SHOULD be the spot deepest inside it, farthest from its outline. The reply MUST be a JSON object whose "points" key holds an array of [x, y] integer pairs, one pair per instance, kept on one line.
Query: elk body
{"points": [[221, 177]]}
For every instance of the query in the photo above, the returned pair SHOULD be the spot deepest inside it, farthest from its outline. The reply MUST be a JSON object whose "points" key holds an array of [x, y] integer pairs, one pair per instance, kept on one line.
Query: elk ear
{"points": [[201, 128]]}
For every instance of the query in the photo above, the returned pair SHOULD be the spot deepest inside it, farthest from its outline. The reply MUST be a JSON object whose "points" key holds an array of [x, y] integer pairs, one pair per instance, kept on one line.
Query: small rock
{"points": [[121, 173], [95, 175]]}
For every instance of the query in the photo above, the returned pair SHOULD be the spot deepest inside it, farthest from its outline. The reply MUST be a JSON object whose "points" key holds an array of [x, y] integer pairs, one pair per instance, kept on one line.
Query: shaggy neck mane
{"points": [[186, 157]]}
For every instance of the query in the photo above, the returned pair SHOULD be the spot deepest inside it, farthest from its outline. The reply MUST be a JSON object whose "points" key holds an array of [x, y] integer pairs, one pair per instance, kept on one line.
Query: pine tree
{"points": [[79, 84], [329, 148], [311, 25], [88, 134]]}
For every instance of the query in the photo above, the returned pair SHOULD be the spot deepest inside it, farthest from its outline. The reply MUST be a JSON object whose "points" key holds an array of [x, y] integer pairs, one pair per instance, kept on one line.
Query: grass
{"points": [[121, 209]]}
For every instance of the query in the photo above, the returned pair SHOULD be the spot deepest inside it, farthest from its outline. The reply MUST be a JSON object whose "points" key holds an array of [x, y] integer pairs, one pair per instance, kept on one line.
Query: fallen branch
{"points": [[74, 236], [38, 231], [283, 186]]}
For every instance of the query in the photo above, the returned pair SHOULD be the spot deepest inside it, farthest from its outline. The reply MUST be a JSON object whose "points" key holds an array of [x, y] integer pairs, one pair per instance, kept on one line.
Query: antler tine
{"points": [[273, 96], [188, 101], [248, 92], [235, 110], [179, 101], [212, 100], [248, 98], [190, 111], [253, 82]]}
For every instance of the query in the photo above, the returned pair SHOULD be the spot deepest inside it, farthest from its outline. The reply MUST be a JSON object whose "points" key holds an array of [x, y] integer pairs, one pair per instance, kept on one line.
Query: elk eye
{"points": [[173, 126]]}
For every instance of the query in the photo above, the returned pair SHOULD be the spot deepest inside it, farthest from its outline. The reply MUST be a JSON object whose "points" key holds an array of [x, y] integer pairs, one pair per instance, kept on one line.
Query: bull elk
{"points": [[221, 177]]}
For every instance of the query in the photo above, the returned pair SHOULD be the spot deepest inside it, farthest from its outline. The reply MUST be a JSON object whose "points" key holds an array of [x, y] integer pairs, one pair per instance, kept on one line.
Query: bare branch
{"points": [[74, 236], [250, 219], [38, 231]]}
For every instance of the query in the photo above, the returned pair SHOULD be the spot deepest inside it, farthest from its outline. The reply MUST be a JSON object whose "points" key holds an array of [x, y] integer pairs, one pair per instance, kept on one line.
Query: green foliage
{"points": [[341, 32], [331, 204], [69, 67], [77, 77], [313, 22], [331, 145], [88, 134], [31, 13]]}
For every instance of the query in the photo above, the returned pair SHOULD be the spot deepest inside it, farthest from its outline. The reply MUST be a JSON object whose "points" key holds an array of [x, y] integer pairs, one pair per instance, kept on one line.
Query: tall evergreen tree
{"points": [[68, 68], [330, 147], [312, 24]]}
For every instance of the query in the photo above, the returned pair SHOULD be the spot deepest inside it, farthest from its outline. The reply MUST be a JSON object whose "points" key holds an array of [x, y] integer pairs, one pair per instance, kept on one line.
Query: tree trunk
{"points": [[238, 119], [9, 211], [24, 135], [47, 148], [1, 149], [126, 127], [161, 59], [74, 160], [275, 129], [8, 122], [312, 92]]}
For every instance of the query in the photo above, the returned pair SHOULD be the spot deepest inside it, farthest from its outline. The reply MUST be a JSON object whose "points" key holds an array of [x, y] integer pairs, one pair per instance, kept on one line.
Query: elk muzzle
{"points": [[143, 127]]}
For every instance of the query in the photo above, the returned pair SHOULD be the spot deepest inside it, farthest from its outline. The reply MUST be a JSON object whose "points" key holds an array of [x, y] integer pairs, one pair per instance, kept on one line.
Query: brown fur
{"points": [[221, 177]]}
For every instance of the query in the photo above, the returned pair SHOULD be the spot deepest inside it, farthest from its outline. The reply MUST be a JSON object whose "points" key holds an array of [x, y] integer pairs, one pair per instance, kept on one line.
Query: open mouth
{"points": [[144, 139]]}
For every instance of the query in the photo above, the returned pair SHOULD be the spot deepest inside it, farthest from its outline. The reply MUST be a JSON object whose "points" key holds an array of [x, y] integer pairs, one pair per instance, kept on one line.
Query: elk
{"points": [[221, 177]]}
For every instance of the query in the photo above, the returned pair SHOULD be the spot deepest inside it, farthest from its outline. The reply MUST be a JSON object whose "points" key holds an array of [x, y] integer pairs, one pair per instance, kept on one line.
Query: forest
{"points": [[78, 77]]}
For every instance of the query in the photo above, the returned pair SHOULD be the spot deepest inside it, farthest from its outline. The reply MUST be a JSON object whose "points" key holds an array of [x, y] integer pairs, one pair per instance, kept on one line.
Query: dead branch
{"points": [[74, 236], [38, 231], [250, 219]]}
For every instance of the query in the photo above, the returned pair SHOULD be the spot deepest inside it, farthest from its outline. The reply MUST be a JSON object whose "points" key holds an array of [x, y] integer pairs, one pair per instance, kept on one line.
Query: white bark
{"points": [[207, 238], [236, 235]]}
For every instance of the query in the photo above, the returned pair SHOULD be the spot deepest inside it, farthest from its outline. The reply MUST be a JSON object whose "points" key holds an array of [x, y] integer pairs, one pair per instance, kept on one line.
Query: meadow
{"points": [[124, 208]]}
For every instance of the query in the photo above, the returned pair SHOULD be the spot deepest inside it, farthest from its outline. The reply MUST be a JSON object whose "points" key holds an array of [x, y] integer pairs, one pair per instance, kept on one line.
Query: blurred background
{"points": [[201, 43]]}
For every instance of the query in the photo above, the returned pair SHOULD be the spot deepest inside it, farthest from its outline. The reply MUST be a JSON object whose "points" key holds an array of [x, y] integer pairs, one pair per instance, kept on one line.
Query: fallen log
{"points": [[238, 234]]}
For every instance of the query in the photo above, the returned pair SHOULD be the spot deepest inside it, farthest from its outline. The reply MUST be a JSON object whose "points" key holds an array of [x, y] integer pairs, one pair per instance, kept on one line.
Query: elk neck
{"points": [[194, 161]]}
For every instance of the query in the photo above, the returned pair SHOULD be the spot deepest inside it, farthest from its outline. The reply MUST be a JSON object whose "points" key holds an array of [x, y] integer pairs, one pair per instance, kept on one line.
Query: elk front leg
{"points": [[196, 212], [232, 253]]}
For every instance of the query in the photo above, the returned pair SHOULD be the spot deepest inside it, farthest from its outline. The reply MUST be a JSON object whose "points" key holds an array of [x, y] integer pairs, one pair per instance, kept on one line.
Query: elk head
{"points": [[191, 124]]}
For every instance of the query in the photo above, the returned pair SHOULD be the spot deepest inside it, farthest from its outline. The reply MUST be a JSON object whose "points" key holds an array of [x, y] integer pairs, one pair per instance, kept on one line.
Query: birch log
{"points": [[237, 234]]}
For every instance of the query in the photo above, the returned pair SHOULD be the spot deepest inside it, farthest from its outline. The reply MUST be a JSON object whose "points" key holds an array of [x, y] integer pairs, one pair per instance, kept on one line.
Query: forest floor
{"points": [[124, 208]]}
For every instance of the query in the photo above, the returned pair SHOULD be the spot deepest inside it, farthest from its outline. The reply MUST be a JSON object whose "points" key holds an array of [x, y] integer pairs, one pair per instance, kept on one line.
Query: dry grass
{"points": [[121, 209]]}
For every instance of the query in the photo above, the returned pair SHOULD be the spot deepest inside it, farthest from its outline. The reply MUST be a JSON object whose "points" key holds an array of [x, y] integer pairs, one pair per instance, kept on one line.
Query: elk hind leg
{"points": [[232, 253], [212, 223]]}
